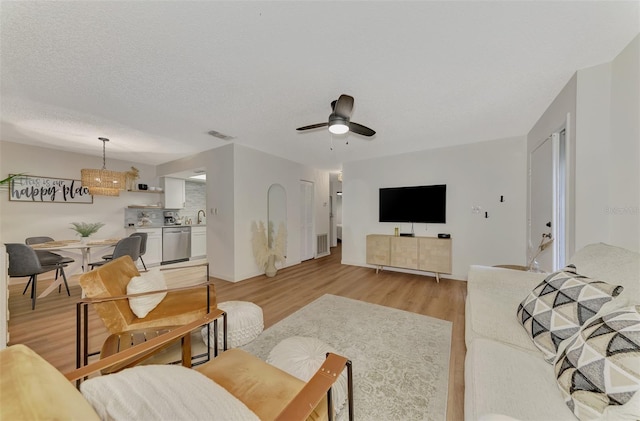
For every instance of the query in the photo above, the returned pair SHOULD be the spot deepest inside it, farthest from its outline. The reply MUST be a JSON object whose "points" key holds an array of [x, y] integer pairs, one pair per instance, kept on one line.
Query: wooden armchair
{"points": [[105, 289], [270, 393]]}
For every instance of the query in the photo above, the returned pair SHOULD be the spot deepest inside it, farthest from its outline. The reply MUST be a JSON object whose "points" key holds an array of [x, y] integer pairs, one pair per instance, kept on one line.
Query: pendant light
{"points": [[103, 182]]}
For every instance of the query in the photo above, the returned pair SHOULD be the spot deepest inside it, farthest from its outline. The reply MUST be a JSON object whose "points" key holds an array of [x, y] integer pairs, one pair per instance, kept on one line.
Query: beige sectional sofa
{"points": [[505, 374]]}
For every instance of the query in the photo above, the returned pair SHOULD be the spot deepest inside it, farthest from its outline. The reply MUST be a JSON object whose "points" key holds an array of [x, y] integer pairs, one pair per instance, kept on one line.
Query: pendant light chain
{"points": [[104, 152], [104, 155]]}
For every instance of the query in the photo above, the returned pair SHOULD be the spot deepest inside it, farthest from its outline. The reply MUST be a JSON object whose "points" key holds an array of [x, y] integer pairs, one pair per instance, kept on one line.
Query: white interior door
{"points": [[306, 220], [547, 201], [541, 201]]}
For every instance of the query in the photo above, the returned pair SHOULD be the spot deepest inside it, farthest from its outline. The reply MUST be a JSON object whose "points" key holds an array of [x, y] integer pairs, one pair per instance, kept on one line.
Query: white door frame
{"points": [[305, 235], [559, 196]]}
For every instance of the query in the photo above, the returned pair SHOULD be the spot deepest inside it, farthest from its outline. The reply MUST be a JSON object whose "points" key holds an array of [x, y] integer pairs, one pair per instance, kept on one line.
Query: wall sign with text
{"points": [[28, 188]]}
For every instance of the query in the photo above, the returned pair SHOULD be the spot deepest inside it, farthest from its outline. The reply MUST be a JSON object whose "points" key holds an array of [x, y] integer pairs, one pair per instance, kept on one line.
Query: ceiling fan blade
{"points": [[360, 129], [312, 126], [344, 106]]}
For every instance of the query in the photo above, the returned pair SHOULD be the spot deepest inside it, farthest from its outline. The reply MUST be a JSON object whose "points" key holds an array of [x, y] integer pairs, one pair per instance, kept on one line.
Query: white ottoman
{"points": [[301, 357], [244, 324]]}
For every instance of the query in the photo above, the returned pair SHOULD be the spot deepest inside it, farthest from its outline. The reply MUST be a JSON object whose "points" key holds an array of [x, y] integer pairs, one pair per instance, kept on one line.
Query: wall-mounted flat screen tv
{"points": [[426, 204]]}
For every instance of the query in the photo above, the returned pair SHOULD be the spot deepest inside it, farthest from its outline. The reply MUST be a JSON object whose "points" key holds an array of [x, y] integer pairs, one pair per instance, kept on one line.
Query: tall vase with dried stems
{"points": [[265, 256]]}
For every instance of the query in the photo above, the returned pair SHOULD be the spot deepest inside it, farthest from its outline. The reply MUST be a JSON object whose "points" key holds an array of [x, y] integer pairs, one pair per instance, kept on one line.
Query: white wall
{"points": [[238, 179], [19, 220], [560, 113], [254, 173], [221, 212], [321, 189], [603, 103], [475, 175], [624, 176]]}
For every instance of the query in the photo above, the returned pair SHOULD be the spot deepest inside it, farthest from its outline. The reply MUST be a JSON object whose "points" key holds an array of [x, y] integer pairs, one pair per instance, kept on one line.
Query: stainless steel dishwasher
{"points": [[176, 244]]}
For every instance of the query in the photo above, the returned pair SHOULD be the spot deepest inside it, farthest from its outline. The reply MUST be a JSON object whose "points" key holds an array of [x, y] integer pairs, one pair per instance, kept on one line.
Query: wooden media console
{"points": [[429, 254]]}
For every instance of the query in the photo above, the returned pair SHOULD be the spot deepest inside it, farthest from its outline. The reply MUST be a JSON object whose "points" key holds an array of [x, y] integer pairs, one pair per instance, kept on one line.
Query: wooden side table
{"points": [[513, 267]]}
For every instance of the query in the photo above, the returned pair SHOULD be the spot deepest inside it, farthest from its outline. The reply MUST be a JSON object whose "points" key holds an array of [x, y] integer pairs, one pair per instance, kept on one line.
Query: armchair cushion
{"points": [[155, 392], [31, 388], [110, 280], [152, 280], [264, 388]]}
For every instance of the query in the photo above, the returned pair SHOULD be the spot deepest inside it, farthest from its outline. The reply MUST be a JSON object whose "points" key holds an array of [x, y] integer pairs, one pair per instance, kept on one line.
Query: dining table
{"points": [[77, 248]]}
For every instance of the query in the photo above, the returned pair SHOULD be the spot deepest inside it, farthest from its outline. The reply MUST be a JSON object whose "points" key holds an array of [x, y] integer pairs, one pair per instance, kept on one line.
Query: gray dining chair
{"points": [[23, 262], [48, 258], [129, 246], [143, 247]]}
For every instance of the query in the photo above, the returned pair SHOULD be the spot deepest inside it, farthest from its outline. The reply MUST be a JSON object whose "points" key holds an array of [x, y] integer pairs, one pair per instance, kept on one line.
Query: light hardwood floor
{"points": [[50, 329]]}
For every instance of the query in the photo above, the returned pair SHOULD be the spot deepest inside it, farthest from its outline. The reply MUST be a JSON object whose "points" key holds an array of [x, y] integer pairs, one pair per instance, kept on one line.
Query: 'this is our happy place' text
{"points": [[47, 189]]}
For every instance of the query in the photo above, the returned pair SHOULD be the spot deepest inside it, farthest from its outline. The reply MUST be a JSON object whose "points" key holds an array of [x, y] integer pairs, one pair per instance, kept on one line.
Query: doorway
{"points": [[547, 202], [306, 220]]}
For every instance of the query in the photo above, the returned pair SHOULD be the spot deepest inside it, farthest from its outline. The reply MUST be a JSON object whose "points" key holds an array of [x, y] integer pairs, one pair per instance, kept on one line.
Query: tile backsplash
{"points": [[196, 199]]}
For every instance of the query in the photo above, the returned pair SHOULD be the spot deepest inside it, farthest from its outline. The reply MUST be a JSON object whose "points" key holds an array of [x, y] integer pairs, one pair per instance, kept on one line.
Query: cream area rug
{"points": [[400, 359]]}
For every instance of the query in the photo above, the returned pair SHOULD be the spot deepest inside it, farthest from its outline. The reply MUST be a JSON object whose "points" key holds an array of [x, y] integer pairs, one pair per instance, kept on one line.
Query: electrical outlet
{"points": [[476, 209]]}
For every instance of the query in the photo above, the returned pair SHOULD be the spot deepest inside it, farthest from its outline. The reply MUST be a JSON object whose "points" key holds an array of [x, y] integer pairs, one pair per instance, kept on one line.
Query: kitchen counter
{"points": [[164, 226]]}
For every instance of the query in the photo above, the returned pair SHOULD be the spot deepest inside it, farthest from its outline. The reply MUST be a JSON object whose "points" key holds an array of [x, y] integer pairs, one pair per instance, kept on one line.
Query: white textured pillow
{"points": [[148, 281], [301, 357], [162, 392]]}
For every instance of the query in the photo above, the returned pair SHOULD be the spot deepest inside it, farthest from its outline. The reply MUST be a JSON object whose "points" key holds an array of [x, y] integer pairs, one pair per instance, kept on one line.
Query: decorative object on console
{"points": [[266, 257], [131, 177], [559, 305], [85, 229], [103, 182], [598, 371]]}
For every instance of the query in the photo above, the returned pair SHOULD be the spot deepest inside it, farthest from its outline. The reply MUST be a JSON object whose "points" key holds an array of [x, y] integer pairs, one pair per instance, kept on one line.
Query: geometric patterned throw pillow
{"points": [[557, 308], [599, 370]]}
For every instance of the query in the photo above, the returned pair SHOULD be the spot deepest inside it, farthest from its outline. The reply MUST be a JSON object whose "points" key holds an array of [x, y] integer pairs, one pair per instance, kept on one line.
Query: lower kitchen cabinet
{"points": [[198, 241], [153, 255]]}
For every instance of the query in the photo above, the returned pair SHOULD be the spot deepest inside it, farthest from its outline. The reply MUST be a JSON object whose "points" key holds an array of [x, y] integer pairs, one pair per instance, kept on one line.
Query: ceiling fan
{"points": [[339, 120]]}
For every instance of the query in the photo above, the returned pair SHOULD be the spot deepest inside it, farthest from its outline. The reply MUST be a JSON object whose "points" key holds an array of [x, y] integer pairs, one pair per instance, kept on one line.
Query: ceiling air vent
{"points": [[220, 135]]}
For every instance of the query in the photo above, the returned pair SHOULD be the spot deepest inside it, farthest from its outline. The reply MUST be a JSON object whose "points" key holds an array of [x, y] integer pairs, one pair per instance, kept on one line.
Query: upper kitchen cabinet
{"points": [[174, 197]]}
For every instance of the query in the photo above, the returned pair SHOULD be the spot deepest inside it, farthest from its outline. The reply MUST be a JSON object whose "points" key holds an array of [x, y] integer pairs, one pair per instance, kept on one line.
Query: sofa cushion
{"points": [[611, 264], [492, 296], [169, 392], [559, 305], [501, 379], [598, 370], [152, 280]]}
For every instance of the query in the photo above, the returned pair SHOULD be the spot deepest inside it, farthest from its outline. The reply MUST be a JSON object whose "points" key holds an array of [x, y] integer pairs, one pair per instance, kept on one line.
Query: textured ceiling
{"points": [[155, 77]]}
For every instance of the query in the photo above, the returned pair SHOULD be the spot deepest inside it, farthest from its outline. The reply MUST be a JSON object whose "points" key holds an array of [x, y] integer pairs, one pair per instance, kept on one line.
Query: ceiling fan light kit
{"points": [[103, 182], [340, 119], [338, 125]]}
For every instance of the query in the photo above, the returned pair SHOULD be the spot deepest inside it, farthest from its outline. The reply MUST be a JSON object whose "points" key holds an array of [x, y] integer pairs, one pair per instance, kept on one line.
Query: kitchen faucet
{"points": [[204, 214]]}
